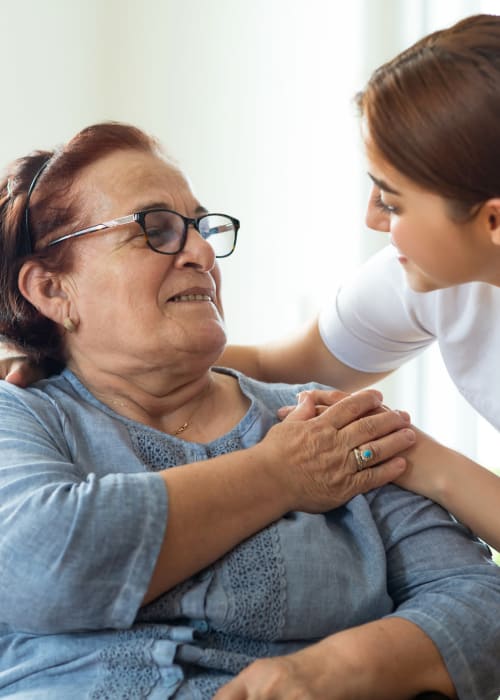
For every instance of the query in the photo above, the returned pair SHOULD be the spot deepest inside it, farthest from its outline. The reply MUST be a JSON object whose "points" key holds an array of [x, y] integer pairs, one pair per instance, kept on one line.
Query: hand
{"points": [[312, 456], [15, 367], [279, 678]]}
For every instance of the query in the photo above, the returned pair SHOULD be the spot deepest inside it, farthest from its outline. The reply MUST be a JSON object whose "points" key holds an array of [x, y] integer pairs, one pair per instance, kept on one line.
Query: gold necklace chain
{"points": [[187, 423]]}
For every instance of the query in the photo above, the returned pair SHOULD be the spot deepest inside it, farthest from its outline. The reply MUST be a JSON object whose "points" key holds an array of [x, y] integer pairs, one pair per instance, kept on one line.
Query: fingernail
{"points": [[405, 415], [301, 397], [409, 434]]}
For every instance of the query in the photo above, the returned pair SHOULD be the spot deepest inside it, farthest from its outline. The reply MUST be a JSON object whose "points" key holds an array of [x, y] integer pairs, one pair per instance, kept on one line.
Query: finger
{"points": [[373, 427], [22, 373], [352, 407], [284, 411], [305, 408], [380, 475], [327, 397], [382, 449], [235, 690]]}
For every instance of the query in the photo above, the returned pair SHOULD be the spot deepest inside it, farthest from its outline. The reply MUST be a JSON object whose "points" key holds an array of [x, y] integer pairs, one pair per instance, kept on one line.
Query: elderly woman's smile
{"points": [[193, 295]]}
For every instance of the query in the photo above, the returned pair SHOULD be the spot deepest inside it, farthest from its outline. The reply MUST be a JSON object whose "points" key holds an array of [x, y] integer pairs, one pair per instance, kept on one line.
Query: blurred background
{"points": [[254, 99]]}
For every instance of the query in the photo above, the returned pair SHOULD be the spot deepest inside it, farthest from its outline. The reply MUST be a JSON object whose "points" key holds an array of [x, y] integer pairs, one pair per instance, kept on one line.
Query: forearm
{"points": [[212, 507], [244, 358], [389, 658], [297, 359], [460, 485], [472, 494]]}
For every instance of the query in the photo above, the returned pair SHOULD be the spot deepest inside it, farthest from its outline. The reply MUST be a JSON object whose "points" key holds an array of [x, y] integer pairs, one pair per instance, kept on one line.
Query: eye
{"points": [[386, 208], [164, 230]]}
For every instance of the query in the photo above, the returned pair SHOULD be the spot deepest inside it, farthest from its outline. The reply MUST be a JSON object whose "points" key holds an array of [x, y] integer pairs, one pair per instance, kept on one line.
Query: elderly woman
{"points": [[160, 530]]}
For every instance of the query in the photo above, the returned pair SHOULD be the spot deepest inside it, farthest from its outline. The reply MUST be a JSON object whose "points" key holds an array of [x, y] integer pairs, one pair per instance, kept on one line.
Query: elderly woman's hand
{"points": [[312, 456], [280, 678]]}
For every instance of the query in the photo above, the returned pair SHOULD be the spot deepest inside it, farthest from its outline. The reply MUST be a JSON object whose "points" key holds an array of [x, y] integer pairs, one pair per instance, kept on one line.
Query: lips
{"points": [[191, 297], [193, 294]]}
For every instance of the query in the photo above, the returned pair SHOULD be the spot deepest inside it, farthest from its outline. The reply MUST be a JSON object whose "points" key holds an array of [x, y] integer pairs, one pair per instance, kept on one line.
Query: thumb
{"points": [[305, 408]]}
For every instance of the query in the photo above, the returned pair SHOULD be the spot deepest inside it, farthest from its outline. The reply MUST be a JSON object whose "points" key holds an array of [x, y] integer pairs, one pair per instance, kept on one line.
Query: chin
{"points": [[419, 282]]}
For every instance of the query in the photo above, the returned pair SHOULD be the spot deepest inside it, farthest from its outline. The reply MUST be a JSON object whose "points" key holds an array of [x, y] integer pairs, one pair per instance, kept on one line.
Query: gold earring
{"points": [[69, 325]]}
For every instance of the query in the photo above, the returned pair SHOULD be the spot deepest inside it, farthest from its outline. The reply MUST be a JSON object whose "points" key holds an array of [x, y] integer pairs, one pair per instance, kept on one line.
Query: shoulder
{"points": [[273, 395], [52, 403]]}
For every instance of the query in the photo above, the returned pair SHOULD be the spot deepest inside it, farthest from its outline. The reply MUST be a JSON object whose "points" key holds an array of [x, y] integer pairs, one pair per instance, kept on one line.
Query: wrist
{"points": [[274, 483]]}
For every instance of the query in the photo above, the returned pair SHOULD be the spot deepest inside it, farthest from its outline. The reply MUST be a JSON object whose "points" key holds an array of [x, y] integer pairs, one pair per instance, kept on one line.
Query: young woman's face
{"points": [[434, 250]]}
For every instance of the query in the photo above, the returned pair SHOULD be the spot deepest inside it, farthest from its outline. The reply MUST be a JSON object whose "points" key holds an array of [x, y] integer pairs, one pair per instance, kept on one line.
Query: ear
{"points": [[46, 290], [491, 214]]}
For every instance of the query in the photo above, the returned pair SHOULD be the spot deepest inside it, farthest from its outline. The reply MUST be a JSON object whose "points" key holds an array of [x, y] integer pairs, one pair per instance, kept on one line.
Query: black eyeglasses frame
{"points": [[140, 218]]}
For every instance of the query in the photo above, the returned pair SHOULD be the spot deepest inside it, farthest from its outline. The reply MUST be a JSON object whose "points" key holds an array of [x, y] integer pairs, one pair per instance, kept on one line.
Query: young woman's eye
{"points": [[386, 208]]}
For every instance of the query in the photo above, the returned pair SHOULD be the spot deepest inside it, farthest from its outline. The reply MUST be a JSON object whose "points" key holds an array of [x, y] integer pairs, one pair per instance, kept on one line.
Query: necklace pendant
{"points": [[181, 429]]}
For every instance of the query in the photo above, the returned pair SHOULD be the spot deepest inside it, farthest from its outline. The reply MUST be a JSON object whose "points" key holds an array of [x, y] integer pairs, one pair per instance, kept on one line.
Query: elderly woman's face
{"points": [[146, 308]]}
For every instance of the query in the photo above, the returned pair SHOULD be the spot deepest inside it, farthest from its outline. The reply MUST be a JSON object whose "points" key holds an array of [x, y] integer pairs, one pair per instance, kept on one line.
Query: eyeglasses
{"points": [[166, 230]]}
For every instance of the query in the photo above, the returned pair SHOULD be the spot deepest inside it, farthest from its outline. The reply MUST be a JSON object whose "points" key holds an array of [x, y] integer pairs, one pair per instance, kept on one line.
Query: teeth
{"points": [[192, 297]]}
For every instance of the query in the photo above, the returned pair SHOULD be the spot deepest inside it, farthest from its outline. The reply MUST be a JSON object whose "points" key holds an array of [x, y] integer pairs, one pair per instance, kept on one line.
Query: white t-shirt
{"points": [[377, 323]]}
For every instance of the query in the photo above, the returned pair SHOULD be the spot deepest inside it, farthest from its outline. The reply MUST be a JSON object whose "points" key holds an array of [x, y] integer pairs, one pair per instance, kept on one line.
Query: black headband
{"points": [[27, 244]]}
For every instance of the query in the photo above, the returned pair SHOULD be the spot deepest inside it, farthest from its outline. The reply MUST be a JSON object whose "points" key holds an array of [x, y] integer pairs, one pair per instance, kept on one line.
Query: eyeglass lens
{"points": [[165, 232]]}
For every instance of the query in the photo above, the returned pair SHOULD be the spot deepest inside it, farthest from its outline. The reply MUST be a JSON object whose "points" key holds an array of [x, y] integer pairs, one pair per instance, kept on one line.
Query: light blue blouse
{"points": [[82, 517]]}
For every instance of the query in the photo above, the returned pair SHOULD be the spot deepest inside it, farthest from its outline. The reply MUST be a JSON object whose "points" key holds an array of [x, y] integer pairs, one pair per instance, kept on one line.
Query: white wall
{"points": [[252, 97]]}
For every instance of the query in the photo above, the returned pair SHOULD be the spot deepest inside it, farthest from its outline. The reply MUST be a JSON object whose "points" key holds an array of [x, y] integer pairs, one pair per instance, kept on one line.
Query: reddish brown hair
{"points": [[433, 112], [54, 207]]}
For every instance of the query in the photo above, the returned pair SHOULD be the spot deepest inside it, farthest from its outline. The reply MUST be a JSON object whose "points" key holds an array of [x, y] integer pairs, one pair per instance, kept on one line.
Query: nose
{"points": [[376, 218], [196, 252]]}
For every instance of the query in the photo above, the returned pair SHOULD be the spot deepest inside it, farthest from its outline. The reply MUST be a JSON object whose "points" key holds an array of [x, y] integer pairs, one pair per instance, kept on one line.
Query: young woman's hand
{"points": [[15, 368]]}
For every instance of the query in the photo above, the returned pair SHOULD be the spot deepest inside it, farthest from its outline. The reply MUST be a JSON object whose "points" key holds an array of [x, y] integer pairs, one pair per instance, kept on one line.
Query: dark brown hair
{"points": [[433, 112], [54, 207]]}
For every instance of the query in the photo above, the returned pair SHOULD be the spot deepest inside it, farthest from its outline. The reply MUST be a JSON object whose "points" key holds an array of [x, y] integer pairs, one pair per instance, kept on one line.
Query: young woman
{"points": [[432, 137]]}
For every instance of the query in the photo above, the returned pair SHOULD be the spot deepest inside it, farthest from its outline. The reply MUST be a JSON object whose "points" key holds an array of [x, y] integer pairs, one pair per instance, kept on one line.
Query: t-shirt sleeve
{"points": [[77, 551], [442, 579], [376, 323]]}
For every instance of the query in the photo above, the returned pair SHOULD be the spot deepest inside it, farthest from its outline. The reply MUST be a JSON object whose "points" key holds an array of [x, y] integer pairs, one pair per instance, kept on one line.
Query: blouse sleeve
{"points": [[442, 579], [77, 551], [377, 323]]}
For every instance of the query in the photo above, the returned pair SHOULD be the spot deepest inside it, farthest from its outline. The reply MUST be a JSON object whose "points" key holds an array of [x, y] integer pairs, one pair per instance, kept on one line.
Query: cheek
{"points": [[402, 235], [108, 291]]}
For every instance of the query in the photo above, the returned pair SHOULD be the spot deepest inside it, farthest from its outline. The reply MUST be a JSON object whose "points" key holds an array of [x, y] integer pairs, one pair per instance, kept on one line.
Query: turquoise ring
{"points": [[362, 457]]}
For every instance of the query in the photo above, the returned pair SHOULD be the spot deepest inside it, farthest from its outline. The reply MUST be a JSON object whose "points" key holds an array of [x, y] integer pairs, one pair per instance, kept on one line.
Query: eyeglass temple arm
{"points": [[106, 224]]}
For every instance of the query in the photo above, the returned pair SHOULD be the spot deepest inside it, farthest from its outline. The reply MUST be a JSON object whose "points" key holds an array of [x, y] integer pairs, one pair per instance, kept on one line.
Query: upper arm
{"points": [[67, 535]]}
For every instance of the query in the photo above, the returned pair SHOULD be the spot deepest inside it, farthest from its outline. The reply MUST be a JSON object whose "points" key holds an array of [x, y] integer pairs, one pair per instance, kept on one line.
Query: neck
{"points": [[159, 399]]}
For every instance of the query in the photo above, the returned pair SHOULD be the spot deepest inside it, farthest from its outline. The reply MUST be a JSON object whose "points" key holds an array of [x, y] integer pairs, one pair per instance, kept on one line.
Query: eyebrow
{"points": [[381, 184], [200, 210]]}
